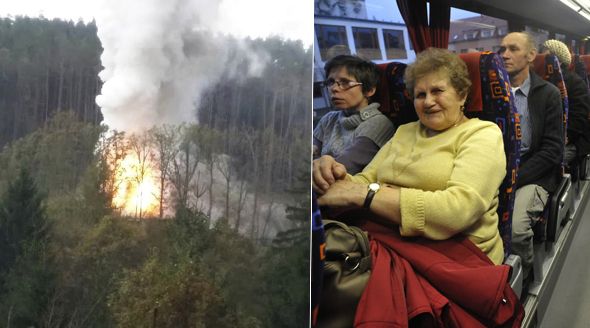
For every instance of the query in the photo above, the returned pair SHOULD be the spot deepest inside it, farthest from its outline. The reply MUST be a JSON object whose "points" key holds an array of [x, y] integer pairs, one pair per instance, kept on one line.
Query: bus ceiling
{"points": [[551, 15]]}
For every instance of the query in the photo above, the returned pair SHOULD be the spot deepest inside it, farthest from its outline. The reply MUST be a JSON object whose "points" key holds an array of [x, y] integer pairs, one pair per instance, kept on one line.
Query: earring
{"points": [[462, 108]]}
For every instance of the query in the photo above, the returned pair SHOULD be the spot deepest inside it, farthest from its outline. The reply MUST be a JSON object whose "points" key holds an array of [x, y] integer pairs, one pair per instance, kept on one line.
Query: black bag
{"points": [[347, 269]]}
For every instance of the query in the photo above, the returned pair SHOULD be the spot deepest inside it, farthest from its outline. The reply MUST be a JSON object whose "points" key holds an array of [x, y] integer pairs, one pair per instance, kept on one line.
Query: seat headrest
{"points": [[475, 103], [392, 94], [586, 60], [546, 65]]}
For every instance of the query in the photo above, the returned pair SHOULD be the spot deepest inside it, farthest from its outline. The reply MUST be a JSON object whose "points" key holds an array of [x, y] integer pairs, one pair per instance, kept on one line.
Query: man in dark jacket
{"points": [[578, 126], [539, 105]]}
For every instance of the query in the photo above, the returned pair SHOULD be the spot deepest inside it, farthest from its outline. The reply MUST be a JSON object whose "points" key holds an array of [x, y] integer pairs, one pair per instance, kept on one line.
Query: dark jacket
{"points": [[578, 125], [418, 282], [542, 163]]}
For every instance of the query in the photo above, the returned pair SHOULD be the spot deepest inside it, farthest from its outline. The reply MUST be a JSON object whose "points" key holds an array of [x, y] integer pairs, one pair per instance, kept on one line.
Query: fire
{"points": [[137, 191]]}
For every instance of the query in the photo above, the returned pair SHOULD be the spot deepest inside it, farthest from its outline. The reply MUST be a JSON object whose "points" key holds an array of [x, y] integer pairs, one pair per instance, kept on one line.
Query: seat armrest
{"points": [[585, 167], [517, 275], [559, 201]]}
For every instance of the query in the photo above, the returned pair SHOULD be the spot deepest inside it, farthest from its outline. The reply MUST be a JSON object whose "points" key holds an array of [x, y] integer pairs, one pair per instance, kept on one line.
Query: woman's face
{"points": [[347, 92], [437, 103]]}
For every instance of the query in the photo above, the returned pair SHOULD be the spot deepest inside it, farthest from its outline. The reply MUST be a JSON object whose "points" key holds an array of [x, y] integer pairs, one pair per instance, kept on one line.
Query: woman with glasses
{"points": [[357, 129]]}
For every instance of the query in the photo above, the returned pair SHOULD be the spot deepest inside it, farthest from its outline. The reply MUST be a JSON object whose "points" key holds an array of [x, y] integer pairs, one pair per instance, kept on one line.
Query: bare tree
{"points": [[165, 139], [208, 139], [251, 138], [184, 166], [141, 149], [224, 167], [111, 151]]}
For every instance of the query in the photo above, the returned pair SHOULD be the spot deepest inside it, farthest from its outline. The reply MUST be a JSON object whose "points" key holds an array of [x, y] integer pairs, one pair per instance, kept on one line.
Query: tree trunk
{"points": [[209, 209], [9, 316], [46, 114], [243, 193], [268, 217], [60, 86]]}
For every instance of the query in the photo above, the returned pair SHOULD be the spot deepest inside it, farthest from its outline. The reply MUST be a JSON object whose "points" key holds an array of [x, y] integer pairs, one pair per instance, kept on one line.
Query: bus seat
{"points": [[560, 202], [579, 67], [584, 168], [582, 67], [395, 100], [490, 99], [586, 60], [318, 247]]}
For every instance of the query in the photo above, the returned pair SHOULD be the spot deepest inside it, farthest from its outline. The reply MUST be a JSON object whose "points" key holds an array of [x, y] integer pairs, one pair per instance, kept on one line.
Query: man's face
{"points": [[516, 53]]}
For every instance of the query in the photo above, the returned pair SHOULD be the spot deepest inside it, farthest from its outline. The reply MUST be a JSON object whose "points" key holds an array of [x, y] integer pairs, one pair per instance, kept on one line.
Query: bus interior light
{"points": [[585, 14], [574, 6]]}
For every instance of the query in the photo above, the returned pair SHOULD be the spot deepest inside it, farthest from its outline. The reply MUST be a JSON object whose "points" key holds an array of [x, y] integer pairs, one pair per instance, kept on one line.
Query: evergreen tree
{"points": [[26, 275], [287, 265], [22, 219]]}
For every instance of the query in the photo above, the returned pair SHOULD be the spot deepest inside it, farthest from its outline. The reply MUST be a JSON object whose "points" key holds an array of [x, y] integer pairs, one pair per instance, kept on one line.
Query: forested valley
{"points": [[72, 256]]}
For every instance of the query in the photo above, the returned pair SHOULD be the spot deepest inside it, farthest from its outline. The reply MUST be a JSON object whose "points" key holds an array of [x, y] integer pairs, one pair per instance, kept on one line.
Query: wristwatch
{"points": [[373, 189]]}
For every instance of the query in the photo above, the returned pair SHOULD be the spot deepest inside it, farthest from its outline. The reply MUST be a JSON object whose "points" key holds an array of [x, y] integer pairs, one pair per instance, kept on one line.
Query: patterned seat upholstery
{"points": [[395, 100], [318, 247], [491, 100]]}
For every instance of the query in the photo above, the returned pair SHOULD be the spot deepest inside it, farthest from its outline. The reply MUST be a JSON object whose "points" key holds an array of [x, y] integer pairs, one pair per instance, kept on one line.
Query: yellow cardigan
{"points": [[449, 182]]}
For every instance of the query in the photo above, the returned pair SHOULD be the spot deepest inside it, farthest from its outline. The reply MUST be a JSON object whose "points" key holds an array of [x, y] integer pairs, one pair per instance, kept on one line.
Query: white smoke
{"points": [[158, 58]]}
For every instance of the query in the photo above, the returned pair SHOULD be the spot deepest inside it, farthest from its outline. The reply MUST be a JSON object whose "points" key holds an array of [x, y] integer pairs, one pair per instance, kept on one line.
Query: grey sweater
{"points": [[352, 137]]}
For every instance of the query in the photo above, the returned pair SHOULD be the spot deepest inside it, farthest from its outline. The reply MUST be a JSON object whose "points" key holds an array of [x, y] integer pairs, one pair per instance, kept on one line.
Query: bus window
{"points": [[366, 43], [332, 41], [471, 31], [395, 47]]}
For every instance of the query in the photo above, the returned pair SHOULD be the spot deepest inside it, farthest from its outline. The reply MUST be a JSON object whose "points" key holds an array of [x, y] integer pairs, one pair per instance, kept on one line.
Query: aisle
{"points": [[570, 302]]}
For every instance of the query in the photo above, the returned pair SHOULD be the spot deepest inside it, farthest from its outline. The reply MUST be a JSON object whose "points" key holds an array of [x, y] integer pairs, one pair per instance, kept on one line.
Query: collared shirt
{"points": [[521, 95]]}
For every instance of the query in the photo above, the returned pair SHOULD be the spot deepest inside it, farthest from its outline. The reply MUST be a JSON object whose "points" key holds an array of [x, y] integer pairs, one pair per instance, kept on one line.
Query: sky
{"points": [[386, 10], [254, 18]]}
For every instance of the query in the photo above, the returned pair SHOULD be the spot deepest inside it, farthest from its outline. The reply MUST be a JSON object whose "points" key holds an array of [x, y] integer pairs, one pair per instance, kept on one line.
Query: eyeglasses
{"points": [[342, 84]]}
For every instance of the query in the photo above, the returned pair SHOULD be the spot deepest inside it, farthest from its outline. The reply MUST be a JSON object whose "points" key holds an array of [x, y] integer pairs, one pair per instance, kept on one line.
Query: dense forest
{"points": [[46, 67], [71, 257]]}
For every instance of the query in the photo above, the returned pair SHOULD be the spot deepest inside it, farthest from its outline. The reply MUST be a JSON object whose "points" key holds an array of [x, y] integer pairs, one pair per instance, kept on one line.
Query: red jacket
{"points": [[425, 283]]}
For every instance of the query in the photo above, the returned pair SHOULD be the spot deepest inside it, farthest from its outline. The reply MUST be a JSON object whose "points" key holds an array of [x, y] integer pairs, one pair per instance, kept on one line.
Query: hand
{"points": [[344, 195], [325, 173]]}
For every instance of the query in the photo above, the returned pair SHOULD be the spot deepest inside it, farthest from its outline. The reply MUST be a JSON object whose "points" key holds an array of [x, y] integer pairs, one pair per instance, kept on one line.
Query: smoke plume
{"points": [[158, 58]]}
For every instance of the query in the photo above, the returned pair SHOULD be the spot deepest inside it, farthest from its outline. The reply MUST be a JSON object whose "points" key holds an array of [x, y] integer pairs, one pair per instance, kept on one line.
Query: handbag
{"points": [[347, 269]]}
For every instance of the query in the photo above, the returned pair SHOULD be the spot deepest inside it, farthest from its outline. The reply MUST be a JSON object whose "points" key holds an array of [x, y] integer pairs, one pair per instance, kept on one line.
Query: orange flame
{"points": [[137, 191]]}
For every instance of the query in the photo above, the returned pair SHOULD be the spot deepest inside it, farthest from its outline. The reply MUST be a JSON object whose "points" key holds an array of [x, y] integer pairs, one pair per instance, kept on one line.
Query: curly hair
{"points": [[363, 71], [439, 61]]}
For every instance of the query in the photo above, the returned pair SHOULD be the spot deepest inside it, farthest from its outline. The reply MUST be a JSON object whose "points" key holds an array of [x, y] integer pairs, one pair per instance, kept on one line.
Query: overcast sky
{"points": [[386, 10], [255, 18]]}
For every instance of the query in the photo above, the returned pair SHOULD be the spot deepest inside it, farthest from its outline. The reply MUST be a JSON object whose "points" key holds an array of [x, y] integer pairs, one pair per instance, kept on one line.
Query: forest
{"points": [[212, 251]]}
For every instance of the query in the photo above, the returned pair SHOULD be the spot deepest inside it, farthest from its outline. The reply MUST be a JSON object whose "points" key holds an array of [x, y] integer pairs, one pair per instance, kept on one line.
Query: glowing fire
{"points": [[137, 191]]}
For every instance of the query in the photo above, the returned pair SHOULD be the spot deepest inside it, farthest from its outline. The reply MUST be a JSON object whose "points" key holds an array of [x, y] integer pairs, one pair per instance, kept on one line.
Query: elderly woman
{"points": [[355, 132], [435, 178]]}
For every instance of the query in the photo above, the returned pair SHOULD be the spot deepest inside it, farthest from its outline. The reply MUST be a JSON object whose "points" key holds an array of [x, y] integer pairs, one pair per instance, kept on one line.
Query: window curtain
{"points": [[440, 21], [415, 16], [422, 33]]}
